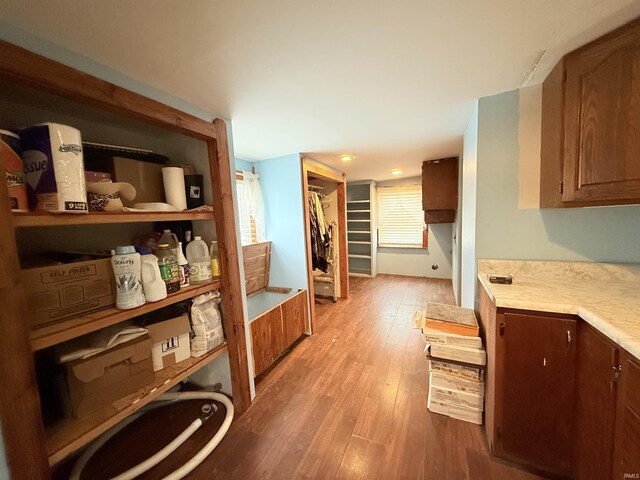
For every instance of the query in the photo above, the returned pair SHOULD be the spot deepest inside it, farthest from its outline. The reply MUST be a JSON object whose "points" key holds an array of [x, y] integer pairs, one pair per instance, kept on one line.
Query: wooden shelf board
{"points": [[71, 434], [358, 211], [52, 334], [47, 219], [359, 231], [358, 274], [359, 256], [358, 220], [359, 242], [358, 201]]}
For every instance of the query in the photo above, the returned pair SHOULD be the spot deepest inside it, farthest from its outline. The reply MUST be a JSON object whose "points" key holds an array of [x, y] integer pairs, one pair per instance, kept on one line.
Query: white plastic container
{"points": [[183, 263], [127, 268], [199, 261], [152, 282]]}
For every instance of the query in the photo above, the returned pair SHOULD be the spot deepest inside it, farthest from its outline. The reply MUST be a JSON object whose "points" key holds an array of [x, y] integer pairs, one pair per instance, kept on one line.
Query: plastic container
{"points": [[184, 267], [199, 261], [169, 269], [127, 268], [215, 259], [10, 151], [152, 282], [169, 238]]}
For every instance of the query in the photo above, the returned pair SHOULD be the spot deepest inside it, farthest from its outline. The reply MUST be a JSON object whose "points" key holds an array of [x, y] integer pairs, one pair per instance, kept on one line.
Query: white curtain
{"points": [[255, 204]]}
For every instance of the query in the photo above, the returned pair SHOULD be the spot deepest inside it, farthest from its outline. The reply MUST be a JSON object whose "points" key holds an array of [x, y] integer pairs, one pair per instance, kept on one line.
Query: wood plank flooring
{"points": [[350, 401]]}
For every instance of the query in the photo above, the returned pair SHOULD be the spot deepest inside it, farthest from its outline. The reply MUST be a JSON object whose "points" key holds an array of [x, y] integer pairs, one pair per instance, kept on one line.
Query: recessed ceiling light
{"points": [[346, 158], [396, 171]]}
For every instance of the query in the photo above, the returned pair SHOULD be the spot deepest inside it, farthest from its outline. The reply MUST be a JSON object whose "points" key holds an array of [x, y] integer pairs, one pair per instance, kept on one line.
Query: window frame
{"points": [[425, 226]]}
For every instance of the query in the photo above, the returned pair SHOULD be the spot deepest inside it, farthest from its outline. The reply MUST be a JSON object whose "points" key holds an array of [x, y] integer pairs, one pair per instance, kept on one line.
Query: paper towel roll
{"points": [[173, 179]]}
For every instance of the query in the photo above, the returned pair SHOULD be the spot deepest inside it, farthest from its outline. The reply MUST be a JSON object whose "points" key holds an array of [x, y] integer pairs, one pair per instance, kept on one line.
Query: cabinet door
{"points": [[440, 184], [627, 443], [596, 382], [534, 398], [266, 339], [602, 119], [294, 318]]}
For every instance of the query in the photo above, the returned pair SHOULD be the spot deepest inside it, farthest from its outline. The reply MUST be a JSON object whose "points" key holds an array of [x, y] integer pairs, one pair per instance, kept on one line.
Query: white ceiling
{"points": [[391, 82]]}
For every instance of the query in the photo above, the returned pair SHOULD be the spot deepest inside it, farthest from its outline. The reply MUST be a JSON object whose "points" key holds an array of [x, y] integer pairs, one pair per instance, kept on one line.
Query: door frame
{"points": [[313, 169]]}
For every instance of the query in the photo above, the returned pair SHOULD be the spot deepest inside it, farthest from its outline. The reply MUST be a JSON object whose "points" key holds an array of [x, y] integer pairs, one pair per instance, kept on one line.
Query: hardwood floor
{"points": [[350, 401], [347, 402]]}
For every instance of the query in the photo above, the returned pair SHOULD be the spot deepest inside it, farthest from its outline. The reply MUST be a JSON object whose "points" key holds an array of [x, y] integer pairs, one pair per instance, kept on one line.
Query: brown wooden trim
{"points": [[233, 315], [277, 289], [316, 170], [307, 238], [28, 68], [342, 238], [24, 438]]}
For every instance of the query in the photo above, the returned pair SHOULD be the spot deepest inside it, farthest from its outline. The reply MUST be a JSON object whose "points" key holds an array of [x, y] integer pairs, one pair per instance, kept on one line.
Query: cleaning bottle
{"points": [[170, 239], [126, 266], [152, 282], [215, 259], [169, 269], [199, 261], [184, 267]]}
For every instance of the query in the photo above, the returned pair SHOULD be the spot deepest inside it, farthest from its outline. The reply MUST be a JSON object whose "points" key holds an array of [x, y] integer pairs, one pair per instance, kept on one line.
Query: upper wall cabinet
{"points": [[440, 190], [591, 124]]}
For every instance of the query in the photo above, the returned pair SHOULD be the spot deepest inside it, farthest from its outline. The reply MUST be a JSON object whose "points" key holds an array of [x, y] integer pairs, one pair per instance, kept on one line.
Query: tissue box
{"points": [[170, 340], [98, 381], [54, 168], [62, 288]]}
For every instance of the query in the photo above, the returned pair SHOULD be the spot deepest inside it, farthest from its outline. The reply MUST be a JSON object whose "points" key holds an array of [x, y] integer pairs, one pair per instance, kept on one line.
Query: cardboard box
{"points": [[462, 371], [471, 415], [56, 292], [146, 177], [456, 397], [98, 381], [170, 341], [451, 382]]}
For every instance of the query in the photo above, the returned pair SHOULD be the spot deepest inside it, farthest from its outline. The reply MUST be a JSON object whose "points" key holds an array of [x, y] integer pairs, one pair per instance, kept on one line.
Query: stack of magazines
{"points": [[457, 361]]}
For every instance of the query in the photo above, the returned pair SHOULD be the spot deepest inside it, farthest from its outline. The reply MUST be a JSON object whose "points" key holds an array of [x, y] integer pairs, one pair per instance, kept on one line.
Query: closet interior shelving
{"points": [[361, 228], [31, 448]]}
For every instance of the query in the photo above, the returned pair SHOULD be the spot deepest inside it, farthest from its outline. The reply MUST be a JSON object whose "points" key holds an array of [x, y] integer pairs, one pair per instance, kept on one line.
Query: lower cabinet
{"points": [[626, 458], [534, 389], [274, 331], [560, 397]]}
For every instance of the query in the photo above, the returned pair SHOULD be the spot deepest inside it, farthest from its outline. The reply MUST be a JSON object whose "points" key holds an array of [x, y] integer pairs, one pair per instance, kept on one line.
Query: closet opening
{"points": [[324, 196]]}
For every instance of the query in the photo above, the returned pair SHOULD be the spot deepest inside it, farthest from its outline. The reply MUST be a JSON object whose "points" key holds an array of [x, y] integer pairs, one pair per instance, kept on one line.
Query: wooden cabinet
{"points": [[275, 330], [535, 360], [34, 84], [591, 124], [626, 458], [597, 374], [440, 190]]}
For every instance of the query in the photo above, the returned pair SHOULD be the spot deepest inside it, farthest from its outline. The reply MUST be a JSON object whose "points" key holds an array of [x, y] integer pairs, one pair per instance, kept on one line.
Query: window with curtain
{"points": [[400, 217], [250, 208]]}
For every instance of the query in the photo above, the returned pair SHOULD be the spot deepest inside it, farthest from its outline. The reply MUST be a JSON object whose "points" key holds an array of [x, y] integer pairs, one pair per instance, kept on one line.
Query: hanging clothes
{"points": [[320, 234]]}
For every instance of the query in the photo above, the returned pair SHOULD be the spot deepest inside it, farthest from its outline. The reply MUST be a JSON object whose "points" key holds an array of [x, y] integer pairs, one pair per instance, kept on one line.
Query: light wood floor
{"points": [[350, 401]]}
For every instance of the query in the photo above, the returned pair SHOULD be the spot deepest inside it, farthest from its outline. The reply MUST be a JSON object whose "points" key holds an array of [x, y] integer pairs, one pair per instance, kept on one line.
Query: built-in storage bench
{"points": [[277, 316]]}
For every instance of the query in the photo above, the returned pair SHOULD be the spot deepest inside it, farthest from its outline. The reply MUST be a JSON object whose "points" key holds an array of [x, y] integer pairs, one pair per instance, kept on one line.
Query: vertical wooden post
{"points": [[307, 237], [24, 438], [342, 238], [220, 168]]}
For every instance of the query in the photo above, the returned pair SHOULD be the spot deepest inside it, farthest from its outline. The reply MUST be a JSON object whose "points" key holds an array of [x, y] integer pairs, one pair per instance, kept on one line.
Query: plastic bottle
{"points": [[169, 269], [169, 238], [184, 267], [215, 259], [152, 282], [127, 265], [199, 261]]}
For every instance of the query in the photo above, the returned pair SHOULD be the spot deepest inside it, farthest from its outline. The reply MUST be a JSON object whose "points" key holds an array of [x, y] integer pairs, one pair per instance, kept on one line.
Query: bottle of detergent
{"points": [[199, 261], [215, 259], [152, 282], [126, 265], [184, 267], [169, 269]]}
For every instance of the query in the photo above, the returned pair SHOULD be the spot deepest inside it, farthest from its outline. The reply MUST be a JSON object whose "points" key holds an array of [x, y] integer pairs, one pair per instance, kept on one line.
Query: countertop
{"points": [[605, 295]]}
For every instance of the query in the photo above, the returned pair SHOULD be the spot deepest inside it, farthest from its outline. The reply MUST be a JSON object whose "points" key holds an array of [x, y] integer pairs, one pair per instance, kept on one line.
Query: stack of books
{"points": [[457, 361]]}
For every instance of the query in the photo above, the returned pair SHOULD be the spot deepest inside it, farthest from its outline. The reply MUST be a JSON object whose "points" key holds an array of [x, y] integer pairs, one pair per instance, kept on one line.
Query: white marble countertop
{"points": [[605, 295]]}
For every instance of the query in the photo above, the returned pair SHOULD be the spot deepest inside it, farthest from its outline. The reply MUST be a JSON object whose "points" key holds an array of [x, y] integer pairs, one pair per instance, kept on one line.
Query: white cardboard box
{"points": [[462, 371], [170, 341], [465, 414], [456, 397], [451, 382]]}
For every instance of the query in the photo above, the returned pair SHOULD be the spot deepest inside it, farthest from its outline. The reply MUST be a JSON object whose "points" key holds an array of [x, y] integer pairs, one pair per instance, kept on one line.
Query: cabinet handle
{"points": [[568, 340]]}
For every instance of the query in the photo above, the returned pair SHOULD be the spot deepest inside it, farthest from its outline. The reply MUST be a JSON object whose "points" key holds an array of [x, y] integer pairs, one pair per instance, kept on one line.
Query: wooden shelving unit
{"points": [[68, 436], [30, 450], [45, 219], [48, 335]]}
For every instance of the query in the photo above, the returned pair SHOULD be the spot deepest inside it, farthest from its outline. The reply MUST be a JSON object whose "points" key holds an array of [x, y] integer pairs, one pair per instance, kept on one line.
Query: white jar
{"points": [[152, 282], [199, 261], [127, 268]]}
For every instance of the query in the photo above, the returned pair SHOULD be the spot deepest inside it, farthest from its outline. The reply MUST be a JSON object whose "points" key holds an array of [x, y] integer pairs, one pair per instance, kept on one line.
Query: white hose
{"points": [[171, 447]]}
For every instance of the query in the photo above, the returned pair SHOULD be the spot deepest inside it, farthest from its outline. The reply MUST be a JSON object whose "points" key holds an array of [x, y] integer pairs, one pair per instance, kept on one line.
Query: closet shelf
{"points": [[358, 211], [47, 335], [359, 242], [46, 219], [351, 255], [358, 201], [358, 220], [71, 434], [359, 231]]}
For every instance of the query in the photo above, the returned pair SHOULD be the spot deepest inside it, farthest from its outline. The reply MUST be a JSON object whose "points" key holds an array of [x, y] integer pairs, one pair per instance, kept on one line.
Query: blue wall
{"points": [[245, 165], [281, 182]]}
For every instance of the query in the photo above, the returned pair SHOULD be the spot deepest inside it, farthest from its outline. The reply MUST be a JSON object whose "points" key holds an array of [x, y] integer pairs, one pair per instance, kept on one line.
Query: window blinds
{"points": [[400, 216], [247, 222]]}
